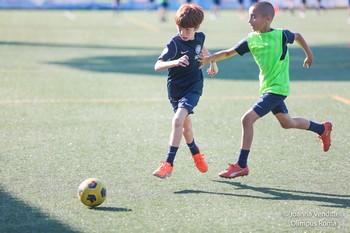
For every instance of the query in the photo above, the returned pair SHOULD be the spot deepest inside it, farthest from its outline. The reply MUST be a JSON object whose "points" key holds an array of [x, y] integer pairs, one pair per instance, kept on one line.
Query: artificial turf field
{"points": [[79, 98]]}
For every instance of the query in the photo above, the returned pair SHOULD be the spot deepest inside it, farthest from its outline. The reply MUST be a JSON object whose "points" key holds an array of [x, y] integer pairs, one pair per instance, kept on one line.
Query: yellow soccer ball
{"points": [[92, 192]]}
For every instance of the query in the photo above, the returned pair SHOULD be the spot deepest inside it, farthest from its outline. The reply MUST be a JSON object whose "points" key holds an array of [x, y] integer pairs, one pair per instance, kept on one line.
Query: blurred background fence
{"points": [[145, 4]]}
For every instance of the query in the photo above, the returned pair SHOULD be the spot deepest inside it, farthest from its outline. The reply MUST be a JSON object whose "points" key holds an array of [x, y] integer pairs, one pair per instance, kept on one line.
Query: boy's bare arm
{"points": [[218, 56], [309, 55], [163, 65], [213, 69]]}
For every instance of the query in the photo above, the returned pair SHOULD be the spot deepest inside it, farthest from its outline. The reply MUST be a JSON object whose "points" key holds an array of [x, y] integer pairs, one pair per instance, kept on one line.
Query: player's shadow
{"points": [[326, 199], [111, 209], [18, 216]]}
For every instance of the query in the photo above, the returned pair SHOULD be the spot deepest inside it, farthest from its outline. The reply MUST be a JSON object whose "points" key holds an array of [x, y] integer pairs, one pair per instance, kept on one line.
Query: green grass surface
{"points": [[79, 98]]}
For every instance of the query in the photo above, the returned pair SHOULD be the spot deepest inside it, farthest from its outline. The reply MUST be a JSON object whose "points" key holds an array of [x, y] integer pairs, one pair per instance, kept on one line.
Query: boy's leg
{"points": [[264, 105], [186, 105], [197, 157], [248, 121], [190, 101], [323, 130], [240, 168], [288, 122], [166, 167], [187, 130], [176, 134], [177, 127], [188, 135]]}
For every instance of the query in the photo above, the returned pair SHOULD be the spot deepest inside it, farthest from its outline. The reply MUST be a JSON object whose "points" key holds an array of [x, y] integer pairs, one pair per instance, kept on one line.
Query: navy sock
{"points": [[171, 155], [193, 148], [317, 128], [243, 158]]}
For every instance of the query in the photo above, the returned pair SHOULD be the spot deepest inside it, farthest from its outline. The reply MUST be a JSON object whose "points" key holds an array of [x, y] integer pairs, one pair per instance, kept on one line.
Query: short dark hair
{"points": [[265, 8]]}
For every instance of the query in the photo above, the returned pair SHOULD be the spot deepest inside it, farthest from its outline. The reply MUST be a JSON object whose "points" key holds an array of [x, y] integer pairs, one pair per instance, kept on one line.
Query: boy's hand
{"points": [[308, 62], [213, 69], [182, 61], [202, 60]]}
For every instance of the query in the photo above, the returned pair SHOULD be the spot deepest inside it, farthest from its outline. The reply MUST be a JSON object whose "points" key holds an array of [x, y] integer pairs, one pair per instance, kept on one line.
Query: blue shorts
{"points": [[189, 101], [270, 103]]}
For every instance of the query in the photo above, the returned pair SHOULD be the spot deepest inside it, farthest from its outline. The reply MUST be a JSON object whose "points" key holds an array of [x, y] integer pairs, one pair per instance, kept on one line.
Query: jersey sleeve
{"points": [[201, 36], [288, 37], [242, 47], [169, 51]]}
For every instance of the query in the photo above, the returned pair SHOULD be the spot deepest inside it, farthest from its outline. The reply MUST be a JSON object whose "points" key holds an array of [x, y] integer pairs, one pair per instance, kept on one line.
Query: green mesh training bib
{"points": [[267, 50]]}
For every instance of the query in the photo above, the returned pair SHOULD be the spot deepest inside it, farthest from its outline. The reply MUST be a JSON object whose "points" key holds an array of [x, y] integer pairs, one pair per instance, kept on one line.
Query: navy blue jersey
{"points": [[182, 80], [287, 38]]}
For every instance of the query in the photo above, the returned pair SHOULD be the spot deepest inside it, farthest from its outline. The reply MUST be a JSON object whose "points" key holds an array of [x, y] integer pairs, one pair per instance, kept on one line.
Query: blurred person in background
{"points": [[241, 11], [151, 5], [319, 6], [115, 5], [303, 7], [163, 10], [215, 9]]}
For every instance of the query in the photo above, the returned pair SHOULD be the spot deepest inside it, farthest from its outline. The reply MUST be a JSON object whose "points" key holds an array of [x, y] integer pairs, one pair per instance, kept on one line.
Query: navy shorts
{"points": [[270, 103], [189, 101]]}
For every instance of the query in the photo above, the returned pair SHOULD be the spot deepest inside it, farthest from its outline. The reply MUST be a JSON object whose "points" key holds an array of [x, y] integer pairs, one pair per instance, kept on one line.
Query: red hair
{"points": [[189, 16]]}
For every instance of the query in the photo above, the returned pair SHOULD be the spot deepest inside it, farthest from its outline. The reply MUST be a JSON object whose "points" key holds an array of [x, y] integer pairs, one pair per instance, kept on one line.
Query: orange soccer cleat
{"points": [[233, 171], [200, 162], [326, 136], [164, 170]]}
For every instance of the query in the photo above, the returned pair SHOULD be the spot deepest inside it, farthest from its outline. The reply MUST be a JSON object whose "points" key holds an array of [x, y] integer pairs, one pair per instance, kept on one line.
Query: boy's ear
{"points": [[268, 18]]}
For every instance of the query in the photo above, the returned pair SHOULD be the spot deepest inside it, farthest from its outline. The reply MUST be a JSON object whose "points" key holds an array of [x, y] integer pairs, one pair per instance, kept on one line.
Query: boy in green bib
{"points": [[269, 49]]}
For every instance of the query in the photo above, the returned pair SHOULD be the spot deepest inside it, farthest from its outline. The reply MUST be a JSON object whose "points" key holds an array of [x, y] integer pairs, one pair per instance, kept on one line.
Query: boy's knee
{"points": [[177, 122], [286, 125], [245, 120]]}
